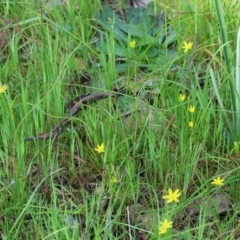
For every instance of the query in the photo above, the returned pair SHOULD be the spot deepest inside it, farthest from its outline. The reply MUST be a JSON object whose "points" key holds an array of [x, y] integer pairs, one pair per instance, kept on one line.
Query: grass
{"points": [[66, 190]]}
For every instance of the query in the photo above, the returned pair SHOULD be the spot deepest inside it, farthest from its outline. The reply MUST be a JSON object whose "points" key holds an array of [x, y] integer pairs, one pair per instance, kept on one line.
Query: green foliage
{"points": [[152, 34], [67, 190], [234, 81]]}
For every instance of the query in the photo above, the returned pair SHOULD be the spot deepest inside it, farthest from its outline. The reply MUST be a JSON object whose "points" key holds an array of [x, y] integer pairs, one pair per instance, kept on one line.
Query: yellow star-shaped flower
{"points": [[191, 109], [218, 181], [191, 124], [172, 196], [100, 148], [133, 44], [115, 180], [187, 46], [181, 97], [3, 88], [162, 230], [164, 226]]}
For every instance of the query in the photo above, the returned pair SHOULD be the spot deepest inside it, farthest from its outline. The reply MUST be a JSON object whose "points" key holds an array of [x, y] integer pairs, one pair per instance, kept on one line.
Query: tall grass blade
{"points": [[238, 84], [215, 87], [227, 54]]}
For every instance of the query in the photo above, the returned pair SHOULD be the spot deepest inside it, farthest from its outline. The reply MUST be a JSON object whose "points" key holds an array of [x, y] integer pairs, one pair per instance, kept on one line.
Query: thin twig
{"points": [[76, 107]]}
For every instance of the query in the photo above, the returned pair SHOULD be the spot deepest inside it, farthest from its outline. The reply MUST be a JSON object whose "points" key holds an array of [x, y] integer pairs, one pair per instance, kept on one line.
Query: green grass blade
{"points": [[227, 52], [238, 83], [215, 87]]}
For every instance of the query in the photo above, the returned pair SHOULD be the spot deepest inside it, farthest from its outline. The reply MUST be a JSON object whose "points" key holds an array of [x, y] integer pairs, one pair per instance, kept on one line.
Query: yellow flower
{"points": [[133, 44], [100, 148], [187, 46], [181, 97], [164, 226], [218, 181], [115, 180], [162, 230], [3, 88], [191, 124], [191, 109], [172, 196]]}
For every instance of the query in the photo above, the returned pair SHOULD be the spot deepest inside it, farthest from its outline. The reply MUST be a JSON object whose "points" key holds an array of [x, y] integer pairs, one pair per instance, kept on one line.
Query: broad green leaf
{"points": [[152, 52], [134, 31], [145, 40], [109, 20], [171, 37], [119, 49]]}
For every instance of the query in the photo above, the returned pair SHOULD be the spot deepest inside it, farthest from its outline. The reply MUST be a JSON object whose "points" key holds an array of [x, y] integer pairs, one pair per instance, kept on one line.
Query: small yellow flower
{"points": [[172, 196], [100, 148], [187, 46], [181, 97], [162, 230], [164, 226], [191, 124], [218, 181], [115, 180], [3, 88], [133, 44], [191, 109]]}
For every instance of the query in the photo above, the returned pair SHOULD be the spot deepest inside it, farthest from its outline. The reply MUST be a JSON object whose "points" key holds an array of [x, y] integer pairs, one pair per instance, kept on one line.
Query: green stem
{"points": [[228, 58]]}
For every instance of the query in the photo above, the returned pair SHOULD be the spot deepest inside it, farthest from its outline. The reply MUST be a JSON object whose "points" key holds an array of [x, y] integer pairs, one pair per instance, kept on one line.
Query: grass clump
{"points": [[152, 162]]}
